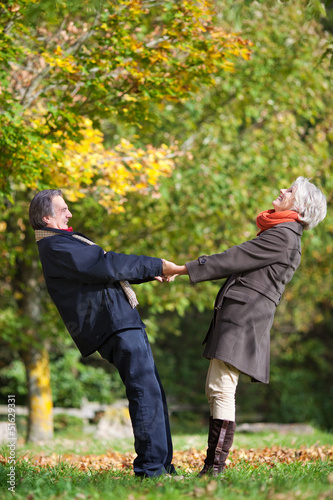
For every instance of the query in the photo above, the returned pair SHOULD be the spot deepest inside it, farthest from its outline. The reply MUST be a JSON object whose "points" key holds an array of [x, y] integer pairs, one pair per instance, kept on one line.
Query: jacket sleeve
{"points": [[264, 250], [89, 264]]}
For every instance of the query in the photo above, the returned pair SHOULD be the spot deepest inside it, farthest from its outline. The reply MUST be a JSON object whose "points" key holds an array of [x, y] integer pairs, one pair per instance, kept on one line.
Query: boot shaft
{"points": [[220, 439]]}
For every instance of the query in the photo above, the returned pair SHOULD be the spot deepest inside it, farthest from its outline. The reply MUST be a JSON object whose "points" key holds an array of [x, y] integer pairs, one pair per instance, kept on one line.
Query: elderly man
{"points": [[92, 292]]}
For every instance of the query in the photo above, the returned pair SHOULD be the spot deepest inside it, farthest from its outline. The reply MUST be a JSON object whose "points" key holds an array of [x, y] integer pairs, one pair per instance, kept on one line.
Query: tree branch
{"points": [[29, 95], [57, 33]]}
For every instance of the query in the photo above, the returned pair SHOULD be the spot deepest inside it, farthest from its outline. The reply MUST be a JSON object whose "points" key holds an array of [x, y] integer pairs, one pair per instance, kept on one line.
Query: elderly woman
{"points": [[257, 271]]}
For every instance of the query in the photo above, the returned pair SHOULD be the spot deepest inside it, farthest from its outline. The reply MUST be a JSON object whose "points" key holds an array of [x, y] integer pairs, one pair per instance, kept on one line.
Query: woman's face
{"points": [[286, 200]]}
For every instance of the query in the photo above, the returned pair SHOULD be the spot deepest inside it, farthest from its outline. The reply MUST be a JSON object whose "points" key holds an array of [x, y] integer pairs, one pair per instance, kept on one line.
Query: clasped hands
{"points": [[170, 270]]}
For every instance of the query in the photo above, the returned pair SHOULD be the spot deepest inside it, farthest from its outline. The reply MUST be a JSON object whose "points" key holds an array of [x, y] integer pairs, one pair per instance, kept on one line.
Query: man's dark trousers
{"points": [[130, 352]]}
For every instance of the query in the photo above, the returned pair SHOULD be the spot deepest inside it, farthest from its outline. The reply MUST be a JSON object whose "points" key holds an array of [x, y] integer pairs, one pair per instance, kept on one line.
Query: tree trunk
{"points": [[40, 423], [29, 289]]}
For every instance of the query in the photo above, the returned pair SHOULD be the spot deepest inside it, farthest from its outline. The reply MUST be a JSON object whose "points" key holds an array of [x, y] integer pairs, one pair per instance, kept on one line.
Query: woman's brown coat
{"points": [[257, 272]]}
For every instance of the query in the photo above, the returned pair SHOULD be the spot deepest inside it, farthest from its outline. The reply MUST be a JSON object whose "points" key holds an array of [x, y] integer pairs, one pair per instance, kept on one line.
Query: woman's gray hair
{"points": [[310, 203], [41, 206]]}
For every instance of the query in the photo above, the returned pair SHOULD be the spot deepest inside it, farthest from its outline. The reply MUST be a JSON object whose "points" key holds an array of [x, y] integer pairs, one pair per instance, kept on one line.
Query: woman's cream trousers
{"points": [[221, 384]]}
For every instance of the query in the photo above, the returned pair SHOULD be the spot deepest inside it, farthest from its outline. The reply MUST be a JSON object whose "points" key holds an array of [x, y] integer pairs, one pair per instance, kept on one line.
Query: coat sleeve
{"points": [[264, 250], [89, 264]]}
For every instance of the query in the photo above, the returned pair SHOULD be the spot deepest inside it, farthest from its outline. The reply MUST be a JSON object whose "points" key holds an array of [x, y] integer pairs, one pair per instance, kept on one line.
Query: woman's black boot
{"points": [[220, 439]]}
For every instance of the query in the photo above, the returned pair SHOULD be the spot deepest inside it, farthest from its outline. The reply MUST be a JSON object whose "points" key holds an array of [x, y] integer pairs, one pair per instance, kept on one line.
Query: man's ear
{"points": [[46, 219]]}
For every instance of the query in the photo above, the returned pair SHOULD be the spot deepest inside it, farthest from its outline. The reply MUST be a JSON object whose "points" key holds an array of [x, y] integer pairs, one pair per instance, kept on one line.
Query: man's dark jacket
{"points": [[83, 282]]}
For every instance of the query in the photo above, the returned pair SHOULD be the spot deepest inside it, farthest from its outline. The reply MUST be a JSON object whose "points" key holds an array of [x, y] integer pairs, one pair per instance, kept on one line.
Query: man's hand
{"points": [[162, 279]]}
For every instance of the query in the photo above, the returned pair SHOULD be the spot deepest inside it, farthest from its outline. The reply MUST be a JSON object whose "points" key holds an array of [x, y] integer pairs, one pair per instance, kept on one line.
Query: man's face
{"points": [[61, 214]]}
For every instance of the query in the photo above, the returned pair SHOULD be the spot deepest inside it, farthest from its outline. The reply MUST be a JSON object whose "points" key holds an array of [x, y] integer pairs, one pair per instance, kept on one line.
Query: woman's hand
{"points": [[170, 271]]}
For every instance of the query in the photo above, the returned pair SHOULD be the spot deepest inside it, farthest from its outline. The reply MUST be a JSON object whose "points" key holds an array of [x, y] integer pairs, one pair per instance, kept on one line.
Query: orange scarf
{"points": [[270, 218]]}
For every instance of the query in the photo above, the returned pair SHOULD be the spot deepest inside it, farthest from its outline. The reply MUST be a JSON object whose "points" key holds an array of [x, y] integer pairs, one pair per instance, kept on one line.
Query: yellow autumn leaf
{"points": [[87, 168], [58, 51]]}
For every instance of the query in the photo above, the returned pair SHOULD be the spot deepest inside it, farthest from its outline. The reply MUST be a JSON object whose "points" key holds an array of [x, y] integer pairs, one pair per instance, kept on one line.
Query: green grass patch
{"points": [[284, 481]]}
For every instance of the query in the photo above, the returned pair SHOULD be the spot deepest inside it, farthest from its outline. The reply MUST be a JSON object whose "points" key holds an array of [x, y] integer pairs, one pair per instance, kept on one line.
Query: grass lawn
{"points": [[267, 465]]}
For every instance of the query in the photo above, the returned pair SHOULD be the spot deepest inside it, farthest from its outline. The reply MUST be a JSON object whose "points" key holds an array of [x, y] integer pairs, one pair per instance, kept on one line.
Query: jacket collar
{"points": [[294, 226], [52, 231]]}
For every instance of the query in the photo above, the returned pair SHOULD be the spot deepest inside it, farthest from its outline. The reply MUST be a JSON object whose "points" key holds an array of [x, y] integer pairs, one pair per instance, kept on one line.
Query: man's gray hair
{"points": [[41, 206], [310, 203]]}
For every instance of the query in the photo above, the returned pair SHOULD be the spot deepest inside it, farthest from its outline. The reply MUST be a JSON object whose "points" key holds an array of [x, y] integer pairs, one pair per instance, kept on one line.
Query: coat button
{"points": [[202, 260]]}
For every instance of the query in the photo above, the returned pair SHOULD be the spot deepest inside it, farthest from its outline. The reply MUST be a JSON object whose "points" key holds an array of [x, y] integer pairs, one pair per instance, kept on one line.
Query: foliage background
{"points": [[238, 141]]}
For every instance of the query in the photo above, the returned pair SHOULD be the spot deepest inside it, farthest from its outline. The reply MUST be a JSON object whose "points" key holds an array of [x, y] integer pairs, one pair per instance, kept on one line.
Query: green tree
{"points": [[113, 62], [253, 133], [63, 72]]}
